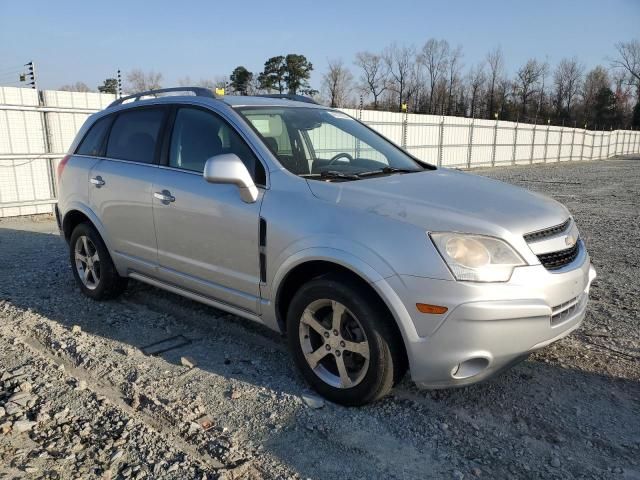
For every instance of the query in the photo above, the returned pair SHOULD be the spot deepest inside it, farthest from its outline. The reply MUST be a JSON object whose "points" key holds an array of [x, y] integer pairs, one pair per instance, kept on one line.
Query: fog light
{"points": [[470, 368]]}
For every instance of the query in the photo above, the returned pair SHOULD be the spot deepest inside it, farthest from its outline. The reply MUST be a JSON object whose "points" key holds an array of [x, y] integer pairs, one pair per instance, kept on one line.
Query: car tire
{"points": [[92, 265], [367, 344]]}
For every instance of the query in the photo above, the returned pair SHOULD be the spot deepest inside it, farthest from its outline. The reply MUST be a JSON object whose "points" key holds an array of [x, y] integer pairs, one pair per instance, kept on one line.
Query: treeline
{"points": [[434, 79]]}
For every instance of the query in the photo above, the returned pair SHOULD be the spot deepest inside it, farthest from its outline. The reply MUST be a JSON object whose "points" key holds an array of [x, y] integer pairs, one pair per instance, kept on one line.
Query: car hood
{"points": [[447, 200]]}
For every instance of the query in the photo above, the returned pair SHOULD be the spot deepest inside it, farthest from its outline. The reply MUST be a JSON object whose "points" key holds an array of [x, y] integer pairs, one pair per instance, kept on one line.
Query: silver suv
{"points": [[301, 218]]}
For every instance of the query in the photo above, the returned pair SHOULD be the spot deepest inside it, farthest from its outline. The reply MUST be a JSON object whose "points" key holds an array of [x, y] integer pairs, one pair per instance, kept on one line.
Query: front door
{"points": [[207, 236]]}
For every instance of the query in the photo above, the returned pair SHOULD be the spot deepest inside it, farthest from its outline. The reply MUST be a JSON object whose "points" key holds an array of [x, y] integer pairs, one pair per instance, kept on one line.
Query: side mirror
{"points": [[228, 168]]}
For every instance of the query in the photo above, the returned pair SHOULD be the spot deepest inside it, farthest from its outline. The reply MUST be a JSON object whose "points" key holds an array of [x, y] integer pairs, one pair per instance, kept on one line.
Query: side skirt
{"points": [[195, 296]]}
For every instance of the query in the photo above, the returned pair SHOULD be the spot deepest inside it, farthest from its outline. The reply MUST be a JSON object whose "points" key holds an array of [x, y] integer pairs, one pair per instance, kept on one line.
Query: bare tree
{"points": [[337, 83], [434, 56], [567, 80], [139, 81], [75, 87], [629, 60], [544, 72], [476, 81], [374, 74], [453, 66], [400, 63], [595, 81], [528, 79], [495, 61], [503, 88]]}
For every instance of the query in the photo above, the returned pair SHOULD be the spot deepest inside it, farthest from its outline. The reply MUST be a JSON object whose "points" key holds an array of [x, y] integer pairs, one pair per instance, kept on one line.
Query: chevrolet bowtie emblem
{"points": [[570, 240]]}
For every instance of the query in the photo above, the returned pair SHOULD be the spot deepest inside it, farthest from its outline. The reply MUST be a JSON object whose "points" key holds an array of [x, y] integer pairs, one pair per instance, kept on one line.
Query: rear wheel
{"points": [[343, 342], [92, 266]]}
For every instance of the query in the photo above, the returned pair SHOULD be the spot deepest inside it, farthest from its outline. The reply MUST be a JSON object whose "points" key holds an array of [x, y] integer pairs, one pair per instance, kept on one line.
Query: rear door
{"points": [[207, 236], [120, 187]]}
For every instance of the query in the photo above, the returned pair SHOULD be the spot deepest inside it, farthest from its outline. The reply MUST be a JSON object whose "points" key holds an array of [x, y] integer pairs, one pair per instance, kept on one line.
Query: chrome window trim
{"points": [[238, 127], [120, 160], [191, 172]]}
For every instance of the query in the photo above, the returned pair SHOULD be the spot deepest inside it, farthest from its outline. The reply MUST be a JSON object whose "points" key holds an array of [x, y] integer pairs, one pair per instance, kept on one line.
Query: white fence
{"points": [[467, 143], [36, 129]]}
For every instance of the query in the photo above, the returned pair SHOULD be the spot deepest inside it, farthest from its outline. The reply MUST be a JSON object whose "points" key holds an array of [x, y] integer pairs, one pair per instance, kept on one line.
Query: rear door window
{"points": [[93, 142], [135, 134]]}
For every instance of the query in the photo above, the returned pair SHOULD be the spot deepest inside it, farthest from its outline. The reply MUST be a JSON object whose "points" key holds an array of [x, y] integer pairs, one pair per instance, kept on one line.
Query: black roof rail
{"points": [[290, 96], [197, 91]]}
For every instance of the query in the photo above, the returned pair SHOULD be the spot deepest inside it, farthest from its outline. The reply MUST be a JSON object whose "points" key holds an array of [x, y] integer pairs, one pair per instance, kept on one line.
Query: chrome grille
{"points": [[547, 232]]}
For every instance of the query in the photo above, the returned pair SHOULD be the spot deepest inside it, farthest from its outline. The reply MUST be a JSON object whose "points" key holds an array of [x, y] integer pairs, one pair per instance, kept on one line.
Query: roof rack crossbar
{"points": [[197, 91], [289, 96]]}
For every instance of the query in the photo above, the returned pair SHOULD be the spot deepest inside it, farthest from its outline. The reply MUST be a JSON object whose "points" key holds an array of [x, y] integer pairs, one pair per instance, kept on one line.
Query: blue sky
{"points": [[78, 41]]}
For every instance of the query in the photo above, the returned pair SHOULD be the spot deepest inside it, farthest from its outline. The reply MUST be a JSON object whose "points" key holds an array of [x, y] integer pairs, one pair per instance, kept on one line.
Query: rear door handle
{"points": [[164, 196], [97, 181]]}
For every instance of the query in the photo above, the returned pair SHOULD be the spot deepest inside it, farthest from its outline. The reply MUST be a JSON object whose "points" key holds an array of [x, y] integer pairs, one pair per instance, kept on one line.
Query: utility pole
{"points": [[31, 73], [119, 92]]}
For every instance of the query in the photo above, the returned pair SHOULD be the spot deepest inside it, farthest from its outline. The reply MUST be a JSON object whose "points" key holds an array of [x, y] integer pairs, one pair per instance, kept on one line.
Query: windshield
{"points": [[326, 144]]}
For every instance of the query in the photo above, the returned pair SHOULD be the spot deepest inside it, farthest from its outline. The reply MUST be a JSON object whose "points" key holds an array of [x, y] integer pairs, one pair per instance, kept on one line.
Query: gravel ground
{"points": [[80, 399]]}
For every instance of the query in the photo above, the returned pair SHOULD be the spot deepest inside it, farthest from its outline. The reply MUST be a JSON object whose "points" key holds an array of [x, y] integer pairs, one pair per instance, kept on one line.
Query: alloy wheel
{"points": [[87, 262], [334, 343]]}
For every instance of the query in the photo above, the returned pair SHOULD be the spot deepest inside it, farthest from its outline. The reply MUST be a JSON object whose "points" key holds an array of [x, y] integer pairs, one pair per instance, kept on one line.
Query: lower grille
{"points": [[555, 260], [563, 312]]}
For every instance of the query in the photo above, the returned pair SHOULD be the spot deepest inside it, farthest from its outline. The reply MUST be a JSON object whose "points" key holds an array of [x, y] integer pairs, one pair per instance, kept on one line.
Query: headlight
{"points": [[477, 258]]}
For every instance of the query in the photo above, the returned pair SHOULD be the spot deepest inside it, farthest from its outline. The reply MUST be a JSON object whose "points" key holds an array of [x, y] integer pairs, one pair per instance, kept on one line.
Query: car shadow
{"points": [[512, 425]]}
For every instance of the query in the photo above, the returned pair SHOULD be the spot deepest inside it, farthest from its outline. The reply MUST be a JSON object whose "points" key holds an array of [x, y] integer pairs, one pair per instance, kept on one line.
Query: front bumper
{"points": [[487, 327]]}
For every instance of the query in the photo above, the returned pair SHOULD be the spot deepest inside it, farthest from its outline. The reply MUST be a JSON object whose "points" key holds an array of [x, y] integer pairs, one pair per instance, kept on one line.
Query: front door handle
{"points": [[164, 196], [97, 181]]}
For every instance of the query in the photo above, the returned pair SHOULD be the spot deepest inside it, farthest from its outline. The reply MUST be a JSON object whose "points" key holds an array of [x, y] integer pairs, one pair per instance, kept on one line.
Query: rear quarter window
{"points": [[135, 134], [93, 142]]}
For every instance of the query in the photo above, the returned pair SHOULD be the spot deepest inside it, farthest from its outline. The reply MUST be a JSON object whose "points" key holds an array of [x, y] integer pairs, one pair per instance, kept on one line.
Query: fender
{"points": [[290, 261], [86, 210], [353, 263]]}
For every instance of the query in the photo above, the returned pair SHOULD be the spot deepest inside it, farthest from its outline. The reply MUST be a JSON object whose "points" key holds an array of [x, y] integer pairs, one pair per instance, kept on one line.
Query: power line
{"points": [[15, 69]]}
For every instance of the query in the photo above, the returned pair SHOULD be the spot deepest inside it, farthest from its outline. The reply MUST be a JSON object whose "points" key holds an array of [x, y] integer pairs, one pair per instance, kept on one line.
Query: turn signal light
{"points": [[426, 308]]}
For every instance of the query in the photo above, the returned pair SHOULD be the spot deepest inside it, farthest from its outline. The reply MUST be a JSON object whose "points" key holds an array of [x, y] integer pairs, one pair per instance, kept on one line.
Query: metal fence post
{"points": [[560, 142], [573, 137], [584, 137], [515, 144], [405, 122], [46, 131], [470, 148], [601, 143], [533, 143], [441, 142], [495, 140], [546, 142], [609, 141], [358, 146]]}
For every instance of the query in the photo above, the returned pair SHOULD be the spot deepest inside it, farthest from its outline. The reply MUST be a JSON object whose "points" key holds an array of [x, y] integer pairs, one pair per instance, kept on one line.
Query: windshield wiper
{"points": [[332, 175], [387, 170]]}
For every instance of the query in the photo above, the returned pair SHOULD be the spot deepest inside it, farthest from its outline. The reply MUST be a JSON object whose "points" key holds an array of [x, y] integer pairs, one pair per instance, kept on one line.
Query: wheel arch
{"points": [[77, 214], [305, 271]]}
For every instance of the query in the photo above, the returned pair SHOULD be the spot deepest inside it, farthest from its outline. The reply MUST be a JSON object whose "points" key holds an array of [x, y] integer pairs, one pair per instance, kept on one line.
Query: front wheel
{"points": [[92, 266], [343, 341]]}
